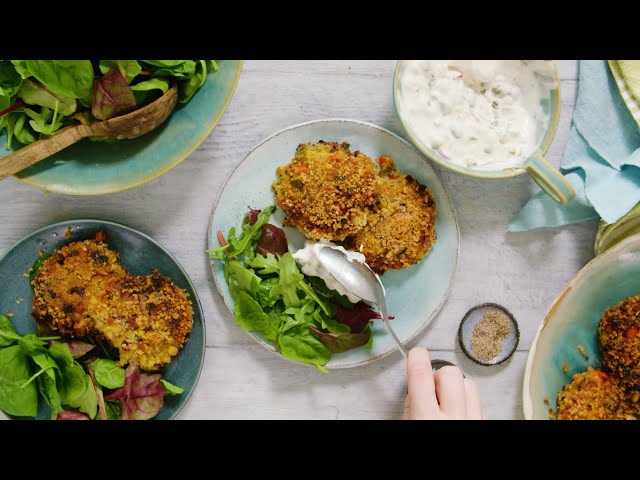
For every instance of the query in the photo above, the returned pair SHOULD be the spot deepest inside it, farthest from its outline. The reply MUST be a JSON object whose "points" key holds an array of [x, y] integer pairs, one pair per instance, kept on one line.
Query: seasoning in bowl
{"points": [[478, 114], [488, 334]]}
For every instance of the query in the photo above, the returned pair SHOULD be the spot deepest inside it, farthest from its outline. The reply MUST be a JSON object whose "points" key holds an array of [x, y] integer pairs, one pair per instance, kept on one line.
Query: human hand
{"points": [[442, 395]]}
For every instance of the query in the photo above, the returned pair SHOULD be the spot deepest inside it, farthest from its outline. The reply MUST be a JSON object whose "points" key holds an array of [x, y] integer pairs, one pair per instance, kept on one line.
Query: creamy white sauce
{"points": [[479, 114], [309, 262]]}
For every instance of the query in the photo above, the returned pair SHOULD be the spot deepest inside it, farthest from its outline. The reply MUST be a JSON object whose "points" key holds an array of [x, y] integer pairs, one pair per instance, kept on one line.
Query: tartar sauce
{"points": [[479, 114], [309, 263]]}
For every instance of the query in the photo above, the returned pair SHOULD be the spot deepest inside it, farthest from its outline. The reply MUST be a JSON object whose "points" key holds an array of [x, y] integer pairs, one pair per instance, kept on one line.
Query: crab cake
{"points": [[402, 226], [83, 290], [326, 190], [620, 340], [594, 395]]}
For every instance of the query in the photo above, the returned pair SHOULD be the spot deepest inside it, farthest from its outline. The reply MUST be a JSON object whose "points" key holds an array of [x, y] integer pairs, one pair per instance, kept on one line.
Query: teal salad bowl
{"points": [[572, 322], [97, 168]]}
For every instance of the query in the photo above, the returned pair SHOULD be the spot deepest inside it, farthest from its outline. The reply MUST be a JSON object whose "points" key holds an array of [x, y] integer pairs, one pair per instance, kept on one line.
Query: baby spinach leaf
{"points": [[265, 264], [161, 84], [15, 397], [15, 126], [192, 84], [8, 334], [10, 80], [290, 277], [107, 373], [141, 397], [113, 410], [164, 63], [112, 96], [49, 390], [21, 68], [74, 385], [341, 342], [34, 93], [170, 389], [128, 68], [250, 316], [240, 279], [76, 348], [61, 353], [5, 102], [34, 345], [329, 323], [69, 78], [146, 91], [262, 291], [300, 345], [85, 399]]}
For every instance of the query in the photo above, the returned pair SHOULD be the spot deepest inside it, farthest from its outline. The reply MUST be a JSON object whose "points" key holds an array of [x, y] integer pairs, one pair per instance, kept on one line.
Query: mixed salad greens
{"points": [[38, 97], [72, 380], [307, 321]]}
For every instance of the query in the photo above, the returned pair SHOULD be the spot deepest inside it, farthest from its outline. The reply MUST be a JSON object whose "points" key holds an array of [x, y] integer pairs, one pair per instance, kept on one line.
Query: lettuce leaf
{"points": [[142, 396]]}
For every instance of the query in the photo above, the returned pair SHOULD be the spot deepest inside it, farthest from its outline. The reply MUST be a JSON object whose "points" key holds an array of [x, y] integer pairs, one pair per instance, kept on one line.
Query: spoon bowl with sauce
{"points": [[347, 273], [484, 118]]}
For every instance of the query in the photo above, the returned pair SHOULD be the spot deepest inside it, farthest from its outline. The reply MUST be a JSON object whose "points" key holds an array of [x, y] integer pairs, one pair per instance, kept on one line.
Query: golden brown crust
{"points": [[619, 332], [83, 290], [325, 191], [594, 395], [401, 228]]}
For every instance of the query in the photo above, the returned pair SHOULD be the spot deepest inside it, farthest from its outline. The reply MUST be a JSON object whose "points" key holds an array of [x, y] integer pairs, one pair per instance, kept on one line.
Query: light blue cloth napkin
{"points": [[601, 158]]}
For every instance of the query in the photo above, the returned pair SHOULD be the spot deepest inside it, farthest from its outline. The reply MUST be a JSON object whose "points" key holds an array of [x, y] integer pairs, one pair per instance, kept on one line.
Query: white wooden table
{"points": [[240, 379]]}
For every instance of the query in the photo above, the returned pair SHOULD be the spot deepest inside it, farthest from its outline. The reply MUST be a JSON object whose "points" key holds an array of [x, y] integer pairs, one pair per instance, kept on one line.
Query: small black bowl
{"points": [[471, 318]]}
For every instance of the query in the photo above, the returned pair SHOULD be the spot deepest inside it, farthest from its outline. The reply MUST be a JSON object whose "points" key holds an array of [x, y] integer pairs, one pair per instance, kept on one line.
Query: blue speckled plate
{"points": [[573, 320], [415, 294], [96, 168], [139, 254]]}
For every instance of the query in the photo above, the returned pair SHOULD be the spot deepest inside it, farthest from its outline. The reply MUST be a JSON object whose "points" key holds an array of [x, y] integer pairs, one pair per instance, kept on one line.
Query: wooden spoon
{"points": [[131, 125]]}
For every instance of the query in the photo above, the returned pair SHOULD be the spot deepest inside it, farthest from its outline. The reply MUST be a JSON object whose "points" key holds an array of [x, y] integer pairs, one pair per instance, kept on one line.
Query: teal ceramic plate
{"points": [[139, 254], [414, 294], [573, 320], [96, 168]]}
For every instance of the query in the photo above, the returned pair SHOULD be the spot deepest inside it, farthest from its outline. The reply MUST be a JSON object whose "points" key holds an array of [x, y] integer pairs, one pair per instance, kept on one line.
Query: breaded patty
{"points": [[72, 280], [326, 190], [402, 226], [620, 340], [147, 320], [83, 290], [594, 395]]}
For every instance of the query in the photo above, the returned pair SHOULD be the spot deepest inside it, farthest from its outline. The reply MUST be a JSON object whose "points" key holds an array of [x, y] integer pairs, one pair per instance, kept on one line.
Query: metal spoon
{"points": [[359, 279], [131, 125]]}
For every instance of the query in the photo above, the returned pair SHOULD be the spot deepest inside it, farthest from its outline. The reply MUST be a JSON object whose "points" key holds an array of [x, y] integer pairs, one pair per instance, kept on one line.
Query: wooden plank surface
{"points": [[522, 271]]}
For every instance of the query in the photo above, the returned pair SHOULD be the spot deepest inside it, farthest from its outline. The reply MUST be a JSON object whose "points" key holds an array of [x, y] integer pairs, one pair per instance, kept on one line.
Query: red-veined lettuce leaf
{"points": [[112, 96], [71, 415], [141, 397], [341, 342]]}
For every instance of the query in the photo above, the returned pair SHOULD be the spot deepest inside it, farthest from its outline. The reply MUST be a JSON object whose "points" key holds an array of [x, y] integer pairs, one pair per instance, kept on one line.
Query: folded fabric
{"points": [[601, 158]]}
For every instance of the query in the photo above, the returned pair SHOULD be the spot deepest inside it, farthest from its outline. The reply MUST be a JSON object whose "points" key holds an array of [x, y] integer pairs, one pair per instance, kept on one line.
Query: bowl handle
{"points": [[549, 178]]}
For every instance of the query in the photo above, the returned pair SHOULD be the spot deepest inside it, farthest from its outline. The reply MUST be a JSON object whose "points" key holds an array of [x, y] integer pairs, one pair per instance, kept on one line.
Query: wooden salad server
{"points": [[130, 125]]}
